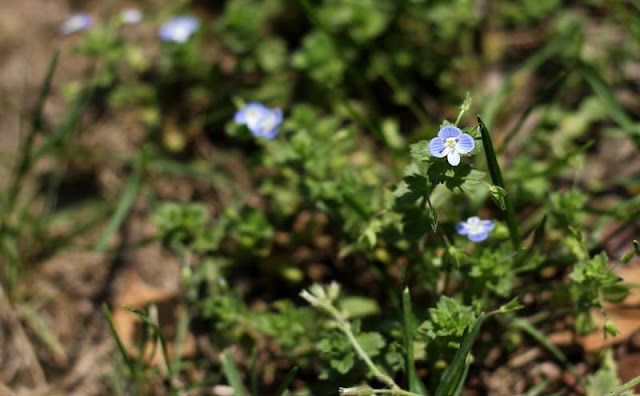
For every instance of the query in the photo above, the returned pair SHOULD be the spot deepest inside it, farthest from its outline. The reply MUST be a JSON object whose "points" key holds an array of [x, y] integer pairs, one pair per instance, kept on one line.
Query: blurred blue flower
{"points": [[475, 229], [131, 16], [261, 120], [450, 143], [178, 29], [75, 23]]}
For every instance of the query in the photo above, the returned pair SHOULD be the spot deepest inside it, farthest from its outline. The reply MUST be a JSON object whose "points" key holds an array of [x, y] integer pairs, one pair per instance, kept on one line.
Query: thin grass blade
{"points": [[615, 109], [496, 177], [415, 385], [453, 374], [129, 195], [286, 382], [231, 372], [158, 333], [541, 338], [43, 331], [121, 348]]}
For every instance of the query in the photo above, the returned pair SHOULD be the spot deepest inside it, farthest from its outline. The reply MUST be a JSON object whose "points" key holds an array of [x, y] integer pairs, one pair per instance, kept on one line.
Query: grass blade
{"points": [[541, 338], [121, 348], [415, 385], [43, 331], [158, 333], [231, 372], [463, 379], [67, 125], [536, 390], [496, 177], [453, 374], [129, 195], [287, 380], [615, 109], [25, 160], [549, 91]]}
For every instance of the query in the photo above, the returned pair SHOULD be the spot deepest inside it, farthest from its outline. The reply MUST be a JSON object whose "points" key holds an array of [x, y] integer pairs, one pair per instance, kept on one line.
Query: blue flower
{"points": [[178, 29], [450, 143], [475, 229], [76, 23], [131, 16], [261, 120]]}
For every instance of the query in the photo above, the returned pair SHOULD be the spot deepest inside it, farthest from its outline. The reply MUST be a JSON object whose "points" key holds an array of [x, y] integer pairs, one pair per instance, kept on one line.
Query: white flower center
{"points": [[474, 226], [451, 142], [269, 122], [181, 32]]}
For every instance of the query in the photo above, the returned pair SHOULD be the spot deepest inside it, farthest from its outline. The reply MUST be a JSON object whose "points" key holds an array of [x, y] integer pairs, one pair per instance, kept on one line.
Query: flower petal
{"points": [[479, 237], [453, 157], [465, 144], [437, 148], [461, 228], [270, 134], [488, 225], [240, 117], [448, 132]]}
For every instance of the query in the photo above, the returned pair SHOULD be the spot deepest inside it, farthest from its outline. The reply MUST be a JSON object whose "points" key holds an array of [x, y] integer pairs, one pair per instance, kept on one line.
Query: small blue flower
{"points": [[475, 229], [261, 120], [131, 16], [450, 143], [76, 23], [178, 29]]}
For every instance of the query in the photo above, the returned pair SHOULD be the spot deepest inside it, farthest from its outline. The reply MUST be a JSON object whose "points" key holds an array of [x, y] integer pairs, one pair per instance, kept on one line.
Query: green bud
{"points": [[610, 328], [364, 390], [498, 195]]}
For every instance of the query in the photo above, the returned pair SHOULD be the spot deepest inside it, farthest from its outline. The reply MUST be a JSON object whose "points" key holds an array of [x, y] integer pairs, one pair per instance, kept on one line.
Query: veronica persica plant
{"points": [[178, 29], [450, 143], [476, 229], [76, 23], [261, 120]]}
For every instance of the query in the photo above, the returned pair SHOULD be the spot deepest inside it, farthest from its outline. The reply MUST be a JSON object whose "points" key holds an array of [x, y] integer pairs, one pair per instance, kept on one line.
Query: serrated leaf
{"points": [[358, 307], [420, 151], [371, 343], [342, 365], [416, 223]]}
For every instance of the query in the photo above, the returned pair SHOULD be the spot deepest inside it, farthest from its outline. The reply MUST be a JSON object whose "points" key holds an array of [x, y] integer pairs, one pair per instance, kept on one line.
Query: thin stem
{"points": [[346, 328], [382, 377]]}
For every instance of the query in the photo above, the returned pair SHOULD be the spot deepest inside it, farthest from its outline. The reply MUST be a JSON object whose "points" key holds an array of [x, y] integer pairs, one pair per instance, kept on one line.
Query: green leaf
{"points": [[420, 151], [231, 373], [286, 382], [496, 177], [371, 343], [126, 200], [163, 343], [417, 222], [540, 337], [454, 372], [358, 307], [605, 381], [614, 108], [121, 348], [415, 385], [615, 293], [342, 365]]}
